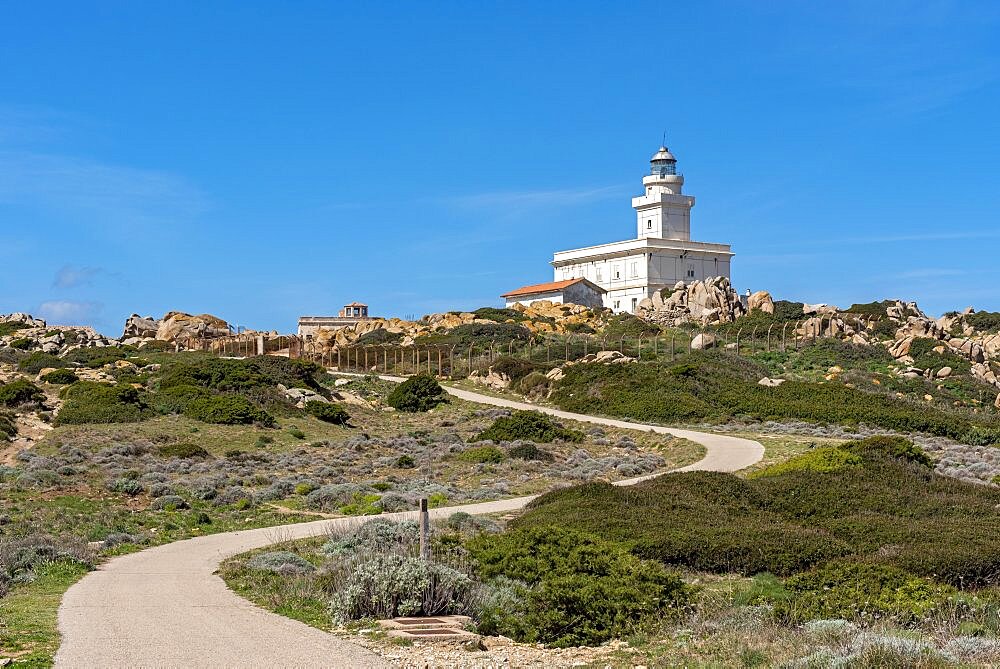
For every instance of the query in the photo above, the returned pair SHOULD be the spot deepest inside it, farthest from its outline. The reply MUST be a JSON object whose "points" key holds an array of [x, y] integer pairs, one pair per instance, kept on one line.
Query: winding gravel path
{"points": [[165, 607]]}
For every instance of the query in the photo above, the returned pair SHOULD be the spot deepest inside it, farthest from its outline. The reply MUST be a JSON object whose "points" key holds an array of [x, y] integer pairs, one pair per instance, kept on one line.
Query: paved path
{"points": [[165, 607]]}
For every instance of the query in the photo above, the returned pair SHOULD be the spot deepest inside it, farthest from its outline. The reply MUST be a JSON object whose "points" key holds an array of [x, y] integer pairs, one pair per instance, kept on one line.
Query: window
{"points": [[618, 304], [599, 275], [618, 272], [634, 302], [634, 270], [690, 271]]}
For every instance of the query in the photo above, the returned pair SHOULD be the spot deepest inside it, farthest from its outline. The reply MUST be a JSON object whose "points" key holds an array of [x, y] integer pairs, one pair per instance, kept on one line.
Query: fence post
{"points": [[738, 333], [425, 531], [753, 338]]}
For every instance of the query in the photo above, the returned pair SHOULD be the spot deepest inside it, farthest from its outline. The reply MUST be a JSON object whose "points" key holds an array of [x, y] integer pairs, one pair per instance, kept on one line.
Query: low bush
{"points": [[405, 462], [379, 336], [535, 385], [281, 562], [126, 486], [228, 410], [18, 392], [861, 592], [8, 428], [530, 426], [513, 368], [831, 458], [186, 451], [417, 393], [328, 412], [60, 377], [35, 362], [528, 451], [481, 455], [90, 402], [386, 585], [984, 321], [169, 503], [22, 344], [176, 399], [575, 588], [499, 315], [723, 386], [98, 357], [889, 509], [227, 375]]}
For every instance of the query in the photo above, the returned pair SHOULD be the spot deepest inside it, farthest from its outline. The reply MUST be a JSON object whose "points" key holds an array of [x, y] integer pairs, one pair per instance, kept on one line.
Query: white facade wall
{"points": [[555, 297]]}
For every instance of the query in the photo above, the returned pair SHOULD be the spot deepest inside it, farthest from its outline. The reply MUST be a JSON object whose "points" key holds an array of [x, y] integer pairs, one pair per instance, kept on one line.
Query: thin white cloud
{"points": [[69, 276], [535, 198], [114, 195], [929, 273], [919, 237], [69, 312]]}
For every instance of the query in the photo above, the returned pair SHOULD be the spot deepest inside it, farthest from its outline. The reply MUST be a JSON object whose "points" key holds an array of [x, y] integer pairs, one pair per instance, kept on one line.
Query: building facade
{"points": [[351, 314], [571, 291], [662, 253]]}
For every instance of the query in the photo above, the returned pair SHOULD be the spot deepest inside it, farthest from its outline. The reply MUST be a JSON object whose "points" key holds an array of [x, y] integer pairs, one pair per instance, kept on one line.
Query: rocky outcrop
{"points": [[178, 325], [141, 327], [760, 301], [704, 341], [707, 302], [32, 334]]}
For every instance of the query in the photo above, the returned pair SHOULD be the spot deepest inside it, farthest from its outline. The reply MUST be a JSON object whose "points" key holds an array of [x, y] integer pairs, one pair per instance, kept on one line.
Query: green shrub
{"points": [[226, 375], [482, 454], [417, 393], [500, 315], [831, 458], [19, 391], [577, 589], [328, 412], [379, 336], [228, 410], [362, 504], [513, 368], [22, 344], [984, 321], [725, 386], [297, 433], [530, 426], [885, 446], [37, 361], [480, 334], [188, 451], [90, 402], [126, 486], [529, 452], [176, 399], [863, 592], [925, 357], [60, 377], [818, 460], [98, 357], [887, 510], [405, 462], [8, 428], [875, 309], [535, 384], [7, 329], [628, 326]]}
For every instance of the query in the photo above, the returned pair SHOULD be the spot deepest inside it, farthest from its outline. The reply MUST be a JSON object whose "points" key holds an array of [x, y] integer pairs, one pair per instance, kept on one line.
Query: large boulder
{"points": [[704, 341], [178, 325], [760, 301], [143, 327]]}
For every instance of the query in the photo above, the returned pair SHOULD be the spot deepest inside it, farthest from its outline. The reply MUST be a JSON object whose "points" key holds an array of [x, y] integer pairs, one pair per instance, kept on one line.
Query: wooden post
{"points": [[425, 531]]}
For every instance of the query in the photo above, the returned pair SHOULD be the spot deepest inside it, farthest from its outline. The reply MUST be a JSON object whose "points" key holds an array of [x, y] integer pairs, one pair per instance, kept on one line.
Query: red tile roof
{"points": [[548, 288]]}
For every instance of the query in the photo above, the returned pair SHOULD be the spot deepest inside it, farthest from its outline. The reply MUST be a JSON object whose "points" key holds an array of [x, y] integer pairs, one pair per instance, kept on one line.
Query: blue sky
{"points": [[260, 160]]}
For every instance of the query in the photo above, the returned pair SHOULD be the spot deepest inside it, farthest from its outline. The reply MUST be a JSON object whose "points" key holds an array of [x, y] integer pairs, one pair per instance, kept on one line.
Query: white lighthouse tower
{"points": [[662, 211], [662, 253]]}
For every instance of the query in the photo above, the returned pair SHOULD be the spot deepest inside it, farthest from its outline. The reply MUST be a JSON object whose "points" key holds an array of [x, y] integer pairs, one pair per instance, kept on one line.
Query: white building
{"points": [[662, 252], [570, 291]]}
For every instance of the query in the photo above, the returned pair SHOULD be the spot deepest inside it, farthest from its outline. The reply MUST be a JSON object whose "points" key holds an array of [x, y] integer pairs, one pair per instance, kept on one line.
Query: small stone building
{"points": [[572, 291], [351, 314]]}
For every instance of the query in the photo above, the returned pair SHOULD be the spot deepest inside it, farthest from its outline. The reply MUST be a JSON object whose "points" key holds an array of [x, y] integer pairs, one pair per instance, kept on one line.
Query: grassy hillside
{"points": [[717, 386]]}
